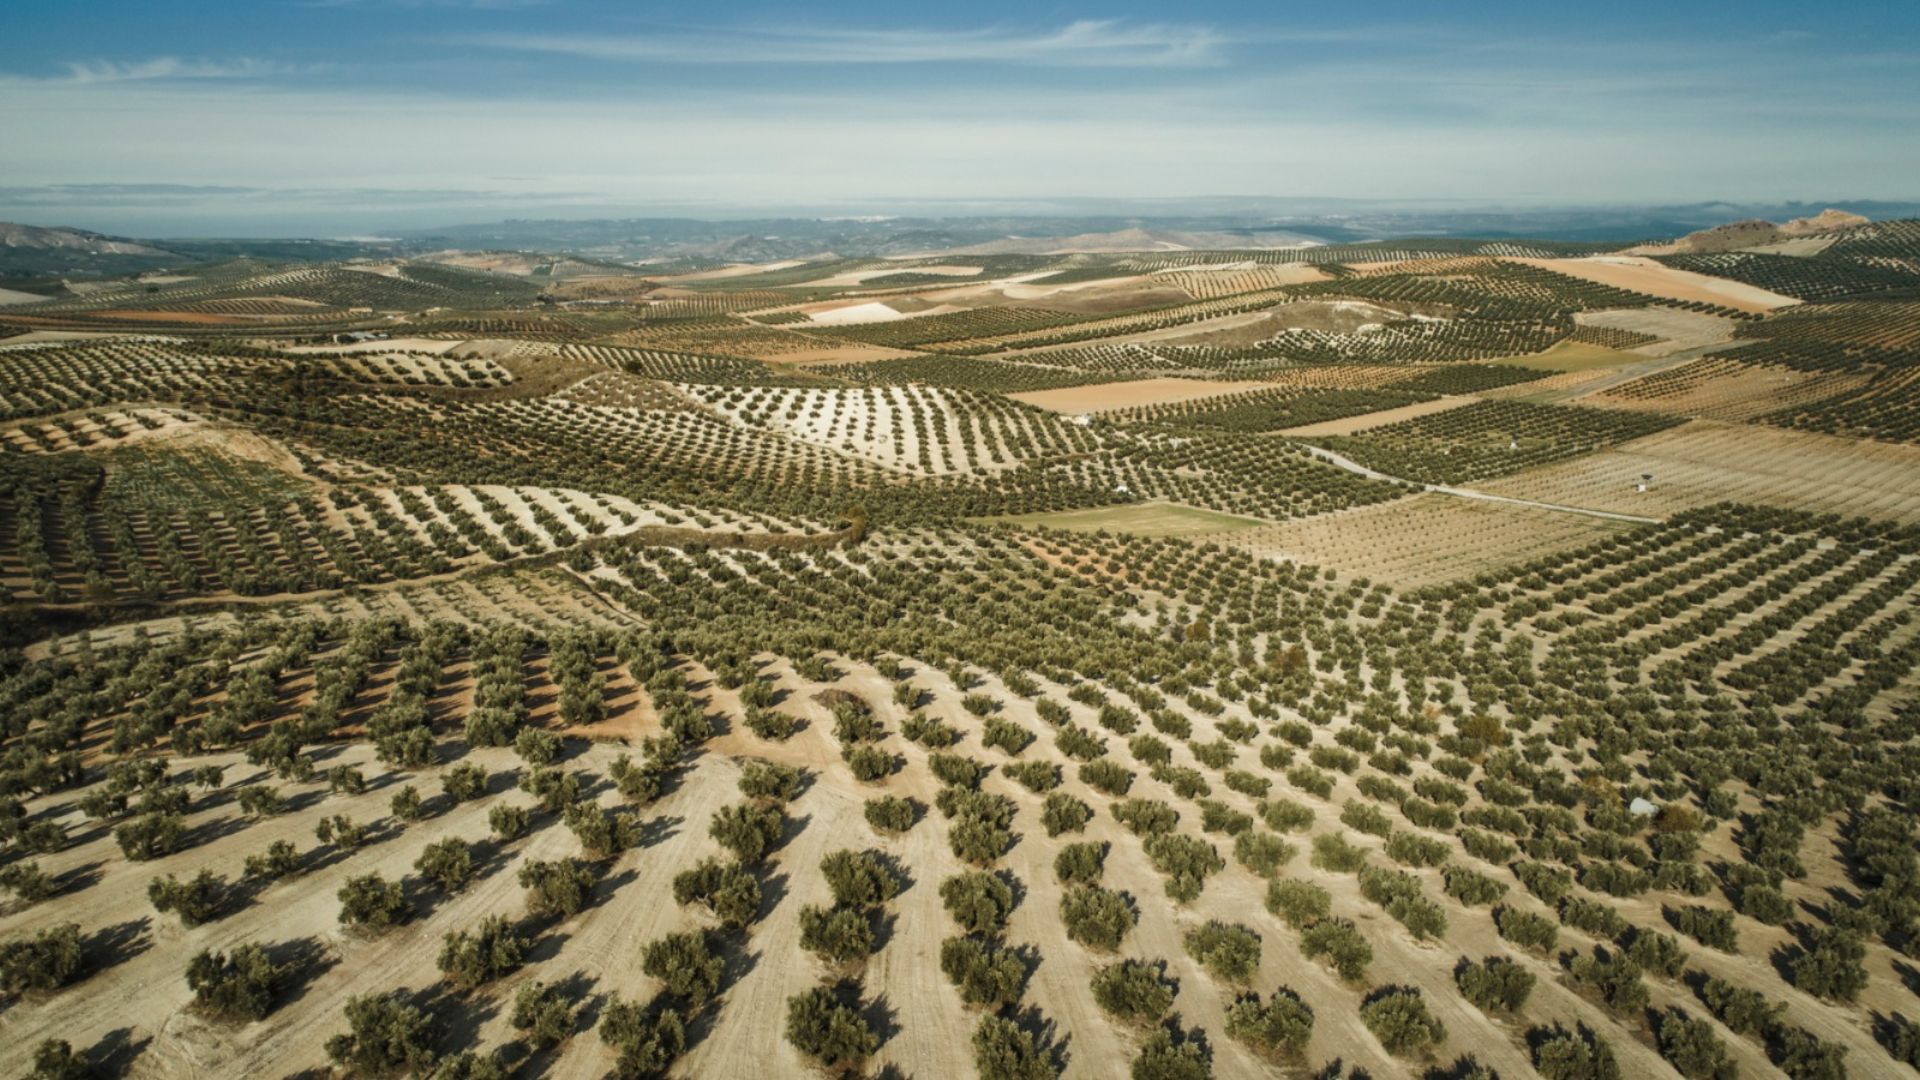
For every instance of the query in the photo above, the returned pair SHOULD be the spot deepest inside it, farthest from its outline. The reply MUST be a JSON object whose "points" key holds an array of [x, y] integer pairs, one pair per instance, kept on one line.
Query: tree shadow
{"points": [[75, 878], [881, 1017], [111, 945], [304, 960], [658, 830], [1052, 1043], [116, 1052]]}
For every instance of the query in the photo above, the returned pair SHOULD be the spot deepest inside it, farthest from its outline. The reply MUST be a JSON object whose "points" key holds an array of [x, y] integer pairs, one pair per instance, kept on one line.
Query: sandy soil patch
{"points": [[1573, 356], [402, 344], [185, 318], [1074, 400], [856, 277], [1351, 424], [1676, 328], [872, 311], [1716, 388], [1155, 518], [9, 297], [1644, 275], [1423, 540], [735, 270], [1707, 462]]}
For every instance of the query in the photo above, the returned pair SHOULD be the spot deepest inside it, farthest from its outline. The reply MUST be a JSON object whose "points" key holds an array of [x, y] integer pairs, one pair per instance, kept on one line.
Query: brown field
{"points": [[1677, 328], [1714, 388], [1574, 356], [1424, 539], [1643, 275], [1350, 424], [1707, 462], [1074, 400], [185, 318]]}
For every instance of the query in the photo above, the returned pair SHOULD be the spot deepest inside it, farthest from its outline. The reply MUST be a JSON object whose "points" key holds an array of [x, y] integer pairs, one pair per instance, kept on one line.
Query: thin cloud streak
{"points": [[1087, 43], [169, 67]]}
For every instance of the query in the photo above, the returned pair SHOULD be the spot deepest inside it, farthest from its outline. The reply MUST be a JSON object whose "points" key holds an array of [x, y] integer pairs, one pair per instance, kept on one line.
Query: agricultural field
{"points": [[1327, 661]]}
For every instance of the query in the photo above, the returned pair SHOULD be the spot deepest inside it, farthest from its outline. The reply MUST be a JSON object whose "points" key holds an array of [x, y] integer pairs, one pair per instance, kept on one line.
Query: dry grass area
{"points": [[1705, 462], [1074, 400], [1676, 328], [1351, 424], [1574, 356], [1643, 275], [1425, 539], [1154, 518], [1715, 388]]}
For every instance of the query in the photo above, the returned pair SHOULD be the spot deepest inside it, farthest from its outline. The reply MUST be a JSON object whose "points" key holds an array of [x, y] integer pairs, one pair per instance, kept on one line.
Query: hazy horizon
{"points": [[278, 119]]}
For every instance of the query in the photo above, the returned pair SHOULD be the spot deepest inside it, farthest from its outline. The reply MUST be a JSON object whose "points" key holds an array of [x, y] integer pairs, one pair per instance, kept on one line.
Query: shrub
{"points": [[1830, 965], [1173, 1055], [1262, 852], [54, 1059], [1526, 929], [891, 815], [986, 976], [1002, 1051], [1656, 952], [1340, 945], [385, 1035], [859, 879], [1560, 1054], [646, 1039], [1596, 918], [47, 961], [541, 1012], [196, 900], [770, 782], [1692, 1048], [1134, 990], [1300, 903], [371, 901], [687, 964], [725, 889], [508, 822], [1231, 952], [1062, 813], [746, 830], [1095, 917], [1285, 815], [1107, 777], [1035, 776], [28, 883], [1495, 984], [447, 863], [1472, 887], [1614, 976], [464, 781], [1398, 1017], [492, 949], [1804, 1056], [1081, 863], [559, 887], [1705, 925], [838, 935], [1331, 851], [1744, 1011], [1280, 1028], [151, 836], [278, 861], [978, 901], [829, 1030], [1412, 849], [1185, 860], [1145, 817]]}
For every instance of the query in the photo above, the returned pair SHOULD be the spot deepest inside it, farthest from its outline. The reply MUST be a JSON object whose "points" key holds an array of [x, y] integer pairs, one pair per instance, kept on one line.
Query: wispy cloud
{"points": [[1086, 43], [169, 67]]}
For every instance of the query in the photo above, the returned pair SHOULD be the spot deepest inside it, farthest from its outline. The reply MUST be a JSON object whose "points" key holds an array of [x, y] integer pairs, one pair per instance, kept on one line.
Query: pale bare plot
{"points": [[1347, 425], [1074, 400], [1707, 462], [1423, 540], [1643, 275]]}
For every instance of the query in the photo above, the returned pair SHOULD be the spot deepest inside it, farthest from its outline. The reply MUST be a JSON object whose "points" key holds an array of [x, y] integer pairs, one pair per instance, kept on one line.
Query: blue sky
{"points": [[445, 110]]}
